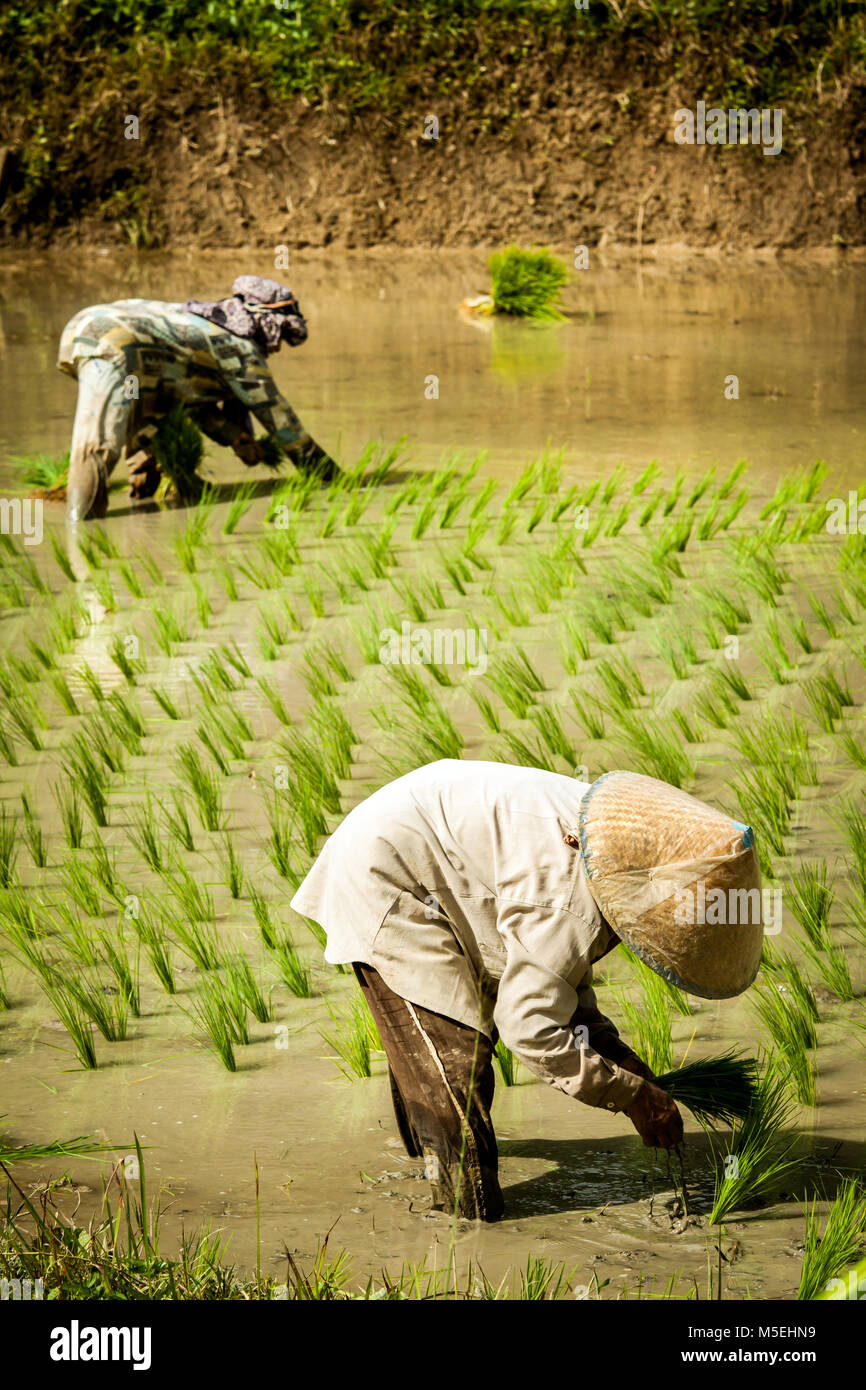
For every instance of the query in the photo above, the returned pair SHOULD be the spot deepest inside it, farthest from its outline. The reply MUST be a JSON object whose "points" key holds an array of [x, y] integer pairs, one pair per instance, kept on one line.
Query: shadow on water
{"points": [[586, 1176]]}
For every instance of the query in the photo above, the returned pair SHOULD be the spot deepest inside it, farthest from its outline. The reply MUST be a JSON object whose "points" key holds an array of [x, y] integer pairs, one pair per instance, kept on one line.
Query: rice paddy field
{"points": [[188, 713]]}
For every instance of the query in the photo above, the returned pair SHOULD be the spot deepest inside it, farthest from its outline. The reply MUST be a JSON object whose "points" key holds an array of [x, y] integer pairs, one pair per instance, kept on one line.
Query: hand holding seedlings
{"points": [[656, 1118]]}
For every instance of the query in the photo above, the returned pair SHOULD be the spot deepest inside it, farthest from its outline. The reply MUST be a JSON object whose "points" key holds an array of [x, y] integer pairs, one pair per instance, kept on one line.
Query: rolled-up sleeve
{"points": [[537, 1011]]}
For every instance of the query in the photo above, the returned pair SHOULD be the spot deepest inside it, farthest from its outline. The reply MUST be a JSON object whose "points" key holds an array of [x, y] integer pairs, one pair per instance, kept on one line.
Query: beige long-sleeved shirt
{"points": [[455, 884]]}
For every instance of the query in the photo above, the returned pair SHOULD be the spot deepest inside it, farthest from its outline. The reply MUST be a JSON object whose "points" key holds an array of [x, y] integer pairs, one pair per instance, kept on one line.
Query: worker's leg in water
{"points": [[442, 1084], [98, 437]]}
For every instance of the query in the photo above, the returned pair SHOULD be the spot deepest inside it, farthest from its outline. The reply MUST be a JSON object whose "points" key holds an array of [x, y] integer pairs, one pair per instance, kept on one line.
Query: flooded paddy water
{"points": [[260, 628]]}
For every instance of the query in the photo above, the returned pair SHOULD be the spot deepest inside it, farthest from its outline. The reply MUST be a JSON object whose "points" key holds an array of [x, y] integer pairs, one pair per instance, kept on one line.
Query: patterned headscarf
{"points": [[262, 310]]}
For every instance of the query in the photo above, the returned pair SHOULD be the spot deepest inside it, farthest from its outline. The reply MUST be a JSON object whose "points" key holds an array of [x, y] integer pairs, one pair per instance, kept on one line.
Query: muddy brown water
{"points": [[638, 373]]}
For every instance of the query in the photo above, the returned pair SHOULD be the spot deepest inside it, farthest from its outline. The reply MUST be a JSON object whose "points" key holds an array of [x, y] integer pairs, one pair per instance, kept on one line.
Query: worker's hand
{"points": [[248, 450], [656, 1118]]}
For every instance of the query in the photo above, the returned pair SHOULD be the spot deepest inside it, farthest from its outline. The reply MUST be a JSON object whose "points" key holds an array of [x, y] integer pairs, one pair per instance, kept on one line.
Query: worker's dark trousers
{"points": [[442, 1088]]}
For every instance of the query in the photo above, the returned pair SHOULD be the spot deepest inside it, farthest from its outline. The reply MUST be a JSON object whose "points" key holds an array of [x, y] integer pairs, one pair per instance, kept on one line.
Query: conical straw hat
{"points": [[677, 880]]}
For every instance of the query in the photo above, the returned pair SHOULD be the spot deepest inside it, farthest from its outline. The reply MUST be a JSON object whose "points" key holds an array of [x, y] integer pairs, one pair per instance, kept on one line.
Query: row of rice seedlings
{"points": [[574, 647], [791, 1026], [166, 703], [831, 963]]}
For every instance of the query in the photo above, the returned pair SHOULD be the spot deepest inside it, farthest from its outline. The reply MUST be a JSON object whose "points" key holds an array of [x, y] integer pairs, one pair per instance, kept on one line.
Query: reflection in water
{"points": [[656, 342]]}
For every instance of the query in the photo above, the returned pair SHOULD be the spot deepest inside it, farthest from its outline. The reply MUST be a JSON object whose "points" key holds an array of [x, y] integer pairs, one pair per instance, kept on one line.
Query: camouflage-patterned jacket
{"points": [[176, 356]]}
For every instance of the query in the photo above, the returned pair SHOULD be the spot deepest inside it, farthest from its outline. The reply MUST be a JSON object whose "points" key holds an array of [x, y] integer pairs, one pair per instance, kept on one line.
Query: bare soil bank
{"points": [[589, 158]]}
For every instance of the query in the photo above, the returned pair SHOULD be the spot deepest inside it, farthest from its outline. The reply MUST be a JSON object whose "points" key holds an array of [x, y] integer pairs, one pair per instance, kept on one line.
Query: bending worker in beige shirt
{"points": [[473, 899]]}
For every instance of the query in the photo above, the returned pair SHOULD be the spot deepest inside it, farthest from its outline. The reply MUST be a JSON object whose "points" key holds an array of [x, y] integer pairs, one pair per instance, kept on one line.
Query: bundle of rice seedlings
{"points": [[73, 1016], [717, 1090], [125, 971], [192, 894], [622, 682], [153, 938], [789, 979], [830, 1255], [506, 1062], [8, 845], [106, 1007], [76, 878], [515, 681], [676, 648], [33, 835], [47, 472], [527, 284], [575, 647], [60, 686], [761, 1150], [25, 720], [525, 754], [143, 835], [177, 821], [178, 447], [294, 973], [195, 937], [792, 1029], [71, 813], [780, 744], [130, 666], [549, 722], [811, 899], [203, 785], [656, 747], [243, 986], [241, 502], [828, 698], [831, 963], [589, 713], [165, 702], [765, 806], [419, 740], [210, 1009], [349, 1038], [233, 873], [486, 708]]}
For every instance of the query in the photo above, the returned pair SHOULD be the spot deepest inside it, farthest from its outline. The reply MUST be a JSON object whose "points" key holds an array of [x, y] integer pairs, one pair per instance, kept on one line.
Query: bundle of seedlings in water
{"points": [[350, 1038], [761, 1149], [178, 447], [718, 1090], [211, 1008], [506, 1063], [295, 973], [831, 1254], [527, 284]]}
